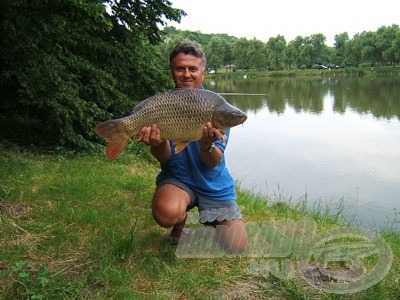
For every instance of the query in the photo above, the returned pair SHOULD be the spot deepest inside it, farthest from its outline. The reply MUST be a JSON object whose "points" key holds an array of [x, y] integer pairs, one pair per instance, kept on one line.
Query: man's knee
{"points": [[169, 206], [165, 216]]}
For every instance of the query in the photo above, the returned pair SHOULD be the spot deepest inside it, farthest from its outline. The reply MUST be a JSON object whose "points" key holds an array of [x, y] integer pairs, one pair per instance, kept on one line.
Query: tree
{"points": [[294, 52], [218, 53], [66, 65], [256, 54], [318, 49], [396, 47], [384, 43], [240, 51], [277, 52], [341, 41], [353, 52], [369, 53], [143, 17]]}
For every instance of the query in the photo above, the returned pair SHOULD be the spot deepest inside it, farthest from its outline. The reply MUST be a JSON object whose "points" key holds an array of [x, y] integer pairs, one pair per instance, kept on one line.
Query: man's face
{"points": [[187, 71]]}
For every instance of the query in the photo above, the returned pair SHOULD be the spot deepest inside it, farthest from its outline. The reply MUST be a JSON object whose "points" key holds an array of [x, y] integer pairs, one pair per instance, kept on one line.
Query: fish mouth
{"points": [[243, 120]]}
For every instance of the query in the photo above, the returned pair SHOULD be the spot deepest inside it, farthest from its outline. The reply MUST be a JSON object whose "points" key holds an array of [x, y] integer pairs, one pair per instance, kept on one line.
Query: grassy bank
{"points": [[341, 72], [80, 227]]}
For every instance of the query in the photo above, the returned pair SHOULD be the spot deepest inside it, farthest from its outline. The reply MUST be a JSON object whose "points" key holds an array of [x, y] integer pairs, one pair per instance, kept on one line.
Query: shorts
{"points": [[210, 211]]}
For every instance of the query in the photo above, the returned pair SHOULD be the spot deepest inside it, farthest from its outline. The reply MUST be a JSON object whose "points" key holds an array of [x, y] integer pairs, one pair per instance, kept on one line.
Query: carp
{"points": [[180, 114]]}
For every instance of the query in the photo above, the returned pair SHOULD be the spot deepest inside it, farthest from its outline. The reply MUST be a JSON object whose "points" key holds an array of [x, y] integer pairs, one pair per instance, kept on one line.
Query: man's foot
{"points": [[176, 232]]}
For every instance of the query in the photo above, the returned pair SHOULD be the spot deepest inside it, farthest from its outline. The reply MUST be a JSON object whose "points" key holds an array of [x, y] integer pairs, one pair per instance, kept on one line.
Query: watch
{"points": [[209, 149]]}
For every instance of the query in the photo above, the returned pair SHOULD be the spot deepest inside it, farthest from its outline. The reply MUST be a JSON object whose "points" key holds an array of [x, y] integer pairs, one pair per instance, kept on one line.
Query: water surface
{"points": [[333, 141]]}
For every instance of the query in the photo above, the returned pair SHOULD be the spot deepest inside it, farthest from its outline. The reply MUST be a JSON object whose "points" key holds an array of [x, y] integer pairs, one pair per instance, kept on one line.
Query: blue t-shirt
{"points": [[187, 166]]}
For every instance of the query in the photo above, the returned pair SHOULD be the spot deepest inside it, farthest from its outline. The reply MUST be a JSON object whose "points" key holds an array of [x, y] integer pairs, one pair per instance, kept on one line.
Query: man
{"points": [[197, 176]]}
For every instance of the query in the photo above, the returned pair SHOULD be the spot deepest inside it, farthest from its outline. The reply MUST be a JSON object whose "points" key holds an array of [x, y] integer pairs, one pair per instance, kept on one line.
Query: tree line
{"points": [[368, 48], [67, 65]]}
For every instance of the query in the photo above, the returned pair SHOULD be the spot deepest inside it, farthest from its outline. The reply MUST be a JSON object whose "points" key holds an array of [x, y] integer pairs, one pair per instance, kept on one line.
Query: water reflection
{"points": [[332, 139], [376, 96]]}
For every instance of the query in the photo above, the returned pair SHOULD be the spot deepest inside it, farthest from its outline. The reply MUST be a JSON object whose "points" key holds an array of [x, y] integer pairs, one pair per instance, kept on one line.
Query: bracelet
{"points": [[209, 149]]}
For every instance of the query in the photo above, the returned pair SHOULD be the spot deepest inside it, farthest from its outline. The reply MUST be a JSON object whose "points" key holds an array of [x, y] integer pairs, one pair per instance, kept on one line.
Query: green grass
{"points": [[80, 227]]}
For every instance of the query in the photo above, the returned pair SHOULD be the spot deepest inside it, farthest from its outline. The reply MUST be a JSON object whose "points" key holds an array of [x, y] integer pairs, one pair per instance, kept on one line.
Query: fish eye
{"points": [[236, 115]]}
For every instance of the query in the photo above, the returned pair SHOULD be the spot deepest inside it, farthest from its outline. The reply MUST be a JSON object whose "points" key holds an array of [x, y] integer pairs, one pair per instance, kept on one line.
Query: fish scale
{"points": [[181, 115]]}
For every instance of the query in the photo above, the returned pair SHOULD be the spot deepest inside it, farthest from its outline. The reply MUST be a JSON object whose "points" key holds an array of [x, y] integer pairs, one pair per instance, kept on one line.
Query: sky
{"points": [[263, 19]]}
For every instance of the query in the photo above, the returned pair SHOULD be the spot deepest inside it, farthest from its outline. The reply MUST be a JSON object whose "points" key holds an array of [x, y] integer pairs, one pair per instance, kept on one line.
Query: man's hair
{"points": [[188, 47]]}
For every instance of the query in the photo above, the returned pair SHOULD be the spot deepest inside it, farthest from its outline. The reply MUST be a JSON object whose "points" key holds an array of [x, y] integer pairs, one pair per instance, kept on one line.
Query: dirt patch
{"points": [[15, 210]]}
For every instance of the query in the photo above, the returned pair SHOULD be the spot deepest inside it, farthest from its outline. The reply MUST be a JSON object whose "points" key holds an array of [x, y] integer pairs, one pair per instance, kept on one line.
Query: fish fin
{"points": [[115, 146], [180, 146], [116, 139], [223, 139]]}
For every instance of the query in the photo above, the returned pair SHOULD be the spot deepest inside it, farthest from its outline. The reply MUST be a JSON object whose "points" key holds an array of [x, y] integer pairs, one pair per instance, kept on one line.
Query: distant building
{"points": [[230, 68]]}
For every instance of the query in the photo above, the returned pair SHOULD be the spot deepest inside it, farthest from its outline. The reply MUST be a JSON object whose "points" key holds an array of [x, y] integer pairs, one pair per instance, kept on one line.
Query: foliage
{"points": [[276, 53], [66, 65], [219, 52], [375, 48]]}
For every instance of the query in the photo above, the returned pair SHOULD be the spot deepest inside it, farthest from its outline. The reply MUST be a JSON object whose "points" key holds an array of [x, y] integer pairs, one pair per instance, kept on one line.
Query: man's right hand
{"points": [[151, 136]]}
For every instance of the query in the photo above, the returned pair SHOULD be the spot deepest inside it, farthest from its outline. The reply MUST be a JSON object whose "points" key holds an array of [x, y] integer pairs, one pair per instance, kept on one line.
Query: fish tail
{"points": [[115, 135]]}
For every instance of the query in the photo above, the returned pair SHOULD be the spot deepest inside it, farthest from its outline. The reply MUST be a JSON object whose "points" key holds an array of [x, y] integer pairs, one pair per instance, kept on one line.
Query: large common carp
{"points": [[181, 115]]}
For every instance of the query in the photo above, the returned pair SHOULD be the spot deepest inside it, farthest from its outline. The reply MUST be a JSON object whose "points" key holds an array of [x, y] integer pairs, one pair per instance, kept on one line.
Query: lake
{"points": [[330, 141]]}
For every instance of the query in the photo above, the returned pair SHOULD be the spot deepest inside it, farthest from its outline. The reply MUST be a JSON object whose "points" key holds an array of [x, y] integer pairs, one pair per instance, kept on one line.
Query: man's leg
{"points": [[232, 235], [169, 207]]}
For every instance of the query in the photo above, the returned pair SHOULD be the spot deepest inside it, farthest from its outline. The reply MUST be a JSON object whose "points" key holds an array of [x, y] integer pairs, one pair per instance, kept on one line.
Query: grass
{"points": [[80, 227]]}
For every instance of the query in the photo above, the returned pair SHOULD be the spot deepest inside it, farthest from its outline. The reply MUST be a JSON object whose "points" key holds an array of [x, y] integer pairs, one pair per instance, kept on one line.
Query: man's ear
{"points": [[203, 75]]}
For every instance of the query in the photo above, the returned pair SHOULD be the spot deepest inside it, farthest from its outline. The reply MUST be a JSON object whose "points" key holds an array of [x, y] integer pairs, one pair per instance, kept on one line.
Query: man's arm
{"points": [[162, 152]]}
